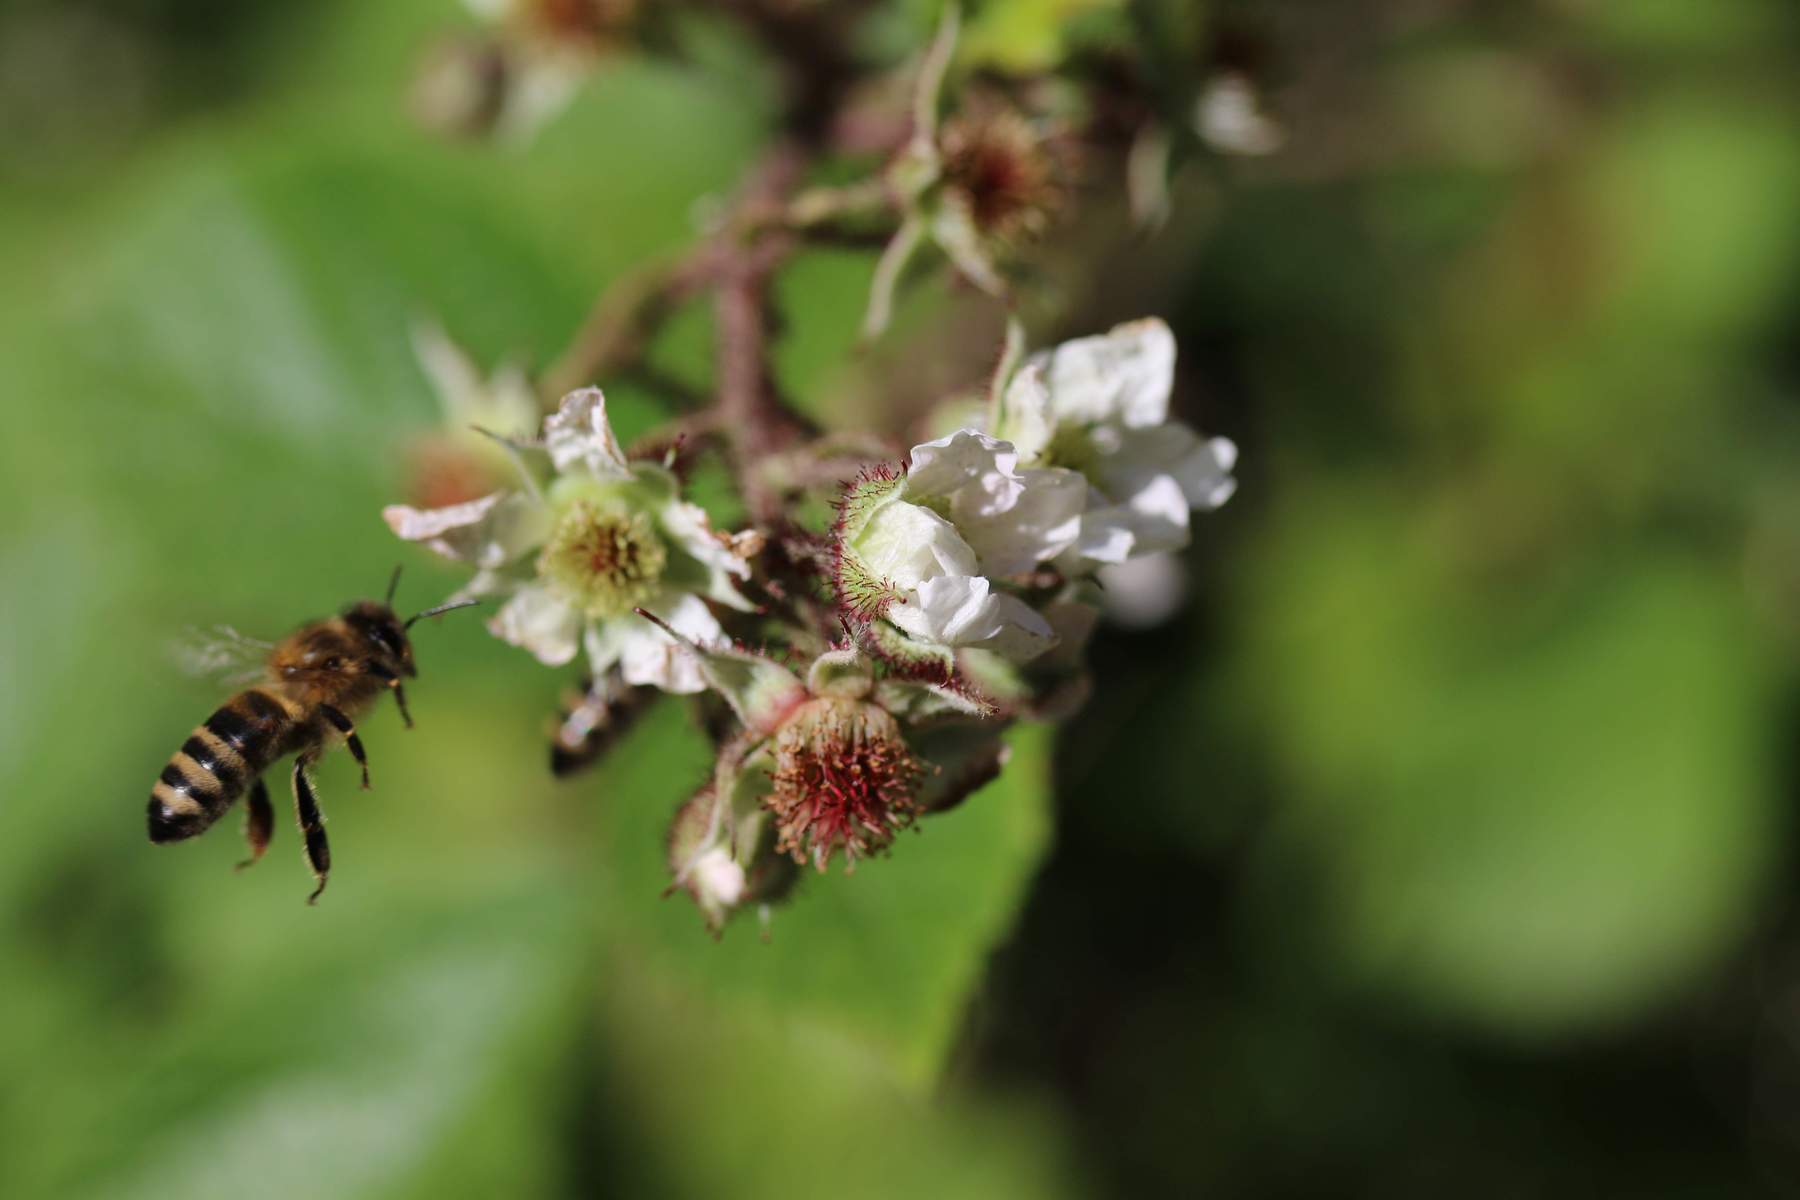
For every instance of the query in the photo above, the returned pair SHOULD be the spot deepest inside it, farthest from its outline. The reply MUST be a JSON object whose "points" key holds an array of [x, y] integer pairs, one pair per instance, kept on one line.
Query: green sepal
{"points": [[847, 674]]}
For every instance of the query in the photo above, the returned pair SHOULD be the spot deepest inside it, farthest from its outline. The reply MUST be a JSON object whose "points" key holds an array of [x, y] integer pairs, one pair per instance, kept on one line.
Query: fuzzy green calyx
{"points": [[608, 560], [861, 591], [865, 496]]}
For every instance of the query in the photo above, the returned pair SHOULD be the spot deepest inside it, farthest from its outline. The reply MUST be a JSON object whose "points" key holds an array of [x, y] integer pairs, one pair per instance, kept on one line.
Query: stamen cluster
{"points": [[843, 780], [611, 560]]}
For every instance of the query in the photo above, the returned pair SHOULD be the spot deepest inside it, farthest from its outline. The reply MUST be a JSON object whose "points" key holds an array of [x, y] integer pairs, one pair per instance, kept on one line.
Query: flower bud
{"points": [[708, 862]]}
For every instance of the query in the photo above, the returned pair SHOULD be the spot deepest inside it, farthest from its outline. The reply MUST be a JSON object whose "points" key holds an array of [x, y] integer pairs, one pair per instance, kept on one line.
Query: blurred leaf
{"points": [[345, 1073], [1539, 804], [765, 1104], [1026, 35]]}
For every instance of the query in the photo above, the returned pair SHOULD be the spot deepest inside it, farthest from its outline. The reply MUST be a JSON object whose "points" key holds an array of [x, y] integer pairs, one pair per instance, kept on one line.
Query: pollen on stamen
{"points": [[610, 562]]}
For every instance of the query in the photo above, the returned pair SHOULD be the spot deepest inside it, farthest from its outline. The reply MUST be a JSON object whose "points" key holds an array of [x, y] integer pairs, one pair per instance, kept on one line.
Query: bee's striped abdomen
{"points": [[217, 763]]}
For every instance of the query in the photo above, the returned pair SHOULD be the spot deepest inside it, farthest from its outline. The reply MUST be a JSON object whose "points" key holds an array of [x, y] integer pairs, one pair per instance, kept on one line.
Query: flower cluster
{"points": [[951, 595]]}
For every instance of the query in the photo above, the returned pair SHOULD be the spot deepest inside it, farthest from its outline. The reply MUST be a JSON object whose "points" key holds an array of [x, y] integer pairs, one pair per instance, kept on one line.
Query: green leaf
{"points": [[881, 961]]}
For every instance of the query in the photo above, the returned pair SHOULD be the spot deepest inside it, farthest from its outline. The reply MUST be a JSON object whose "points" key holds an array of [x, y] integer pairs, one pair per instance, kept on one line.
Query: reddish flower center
{"points": [[843, 779]]}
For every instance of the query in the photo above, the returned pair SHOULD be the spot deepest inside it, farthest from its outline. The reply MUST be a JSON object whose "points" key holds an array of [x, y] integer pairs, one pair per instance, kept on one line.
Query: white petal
{"points": [[1022, 635], [718, 878], [1144, 592], [962, 610], [510, 406], [1201, 466], [1105, 536], [540, 621], [1045, 521], [1026, 419], [505, 405], [489, 532], [1159, 516], [578, 436], [1205, 476], [1122, 376], [485, 583], [951, 610], [908, 544], [1073, 618], [647, 655], [453, 375], [691, 530], [1230, 117], [546, 81], [979, 473]]}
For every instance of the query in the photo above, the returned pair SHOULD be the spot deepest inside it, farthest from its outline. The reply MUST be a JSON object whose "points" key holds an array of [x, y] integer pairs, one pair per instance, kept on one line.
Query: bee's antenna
{"points": [[393, 585], [442, 608]]}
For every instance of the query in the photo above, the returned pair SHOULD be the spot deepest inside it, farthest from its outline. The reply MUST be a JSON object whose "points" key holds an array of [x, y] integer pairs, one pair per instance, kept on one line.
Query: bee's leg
{"points": [[259, 822], [400, 699], [379, 671], [312, 827], [343, 726]]}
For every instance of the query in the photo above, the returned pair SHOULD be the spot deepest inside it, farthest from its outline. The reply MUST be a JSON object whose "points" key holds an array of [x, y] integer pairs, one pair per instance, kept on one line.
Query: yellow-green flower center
{"points": [[1072, 446], [609, 562]]}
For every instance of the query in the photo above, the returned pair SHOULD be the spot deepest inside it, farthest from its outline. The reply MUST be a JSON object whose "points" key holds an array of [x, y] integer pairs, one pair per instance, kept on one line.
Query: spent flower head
{"points": [[976, 185], [827, 762]]}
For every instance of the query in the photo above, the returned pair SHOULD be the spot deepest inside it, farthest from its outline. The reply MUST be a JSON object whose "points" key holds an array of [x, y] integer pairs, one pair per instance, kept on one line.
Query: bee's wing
{"points": [[220, 653]]}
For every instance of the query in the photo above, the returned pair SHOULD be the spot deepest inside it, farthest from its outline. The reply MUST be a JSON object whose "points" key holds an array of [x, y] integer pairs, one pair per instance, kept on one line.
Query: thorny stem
{"points": [[766, 225], [745, 399]]}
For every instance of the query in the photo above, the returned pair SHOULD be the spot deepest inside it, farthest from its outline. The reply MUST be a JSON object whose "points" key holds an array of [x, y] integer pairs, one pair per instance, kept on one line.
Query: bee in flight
{"points": [[312, 684]]}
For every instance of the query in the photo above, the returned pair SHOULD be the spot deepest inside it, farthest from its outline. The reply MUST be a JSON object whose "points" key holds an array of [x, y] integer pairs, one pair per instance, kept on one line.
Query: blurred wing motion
{"points": [[221, 653]]}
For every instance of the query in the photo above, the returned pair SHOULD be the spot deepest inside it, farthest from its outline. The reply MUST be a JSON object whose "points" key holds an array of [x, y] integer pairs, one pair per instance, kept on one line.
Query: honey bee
{"points": [[311, 685]]}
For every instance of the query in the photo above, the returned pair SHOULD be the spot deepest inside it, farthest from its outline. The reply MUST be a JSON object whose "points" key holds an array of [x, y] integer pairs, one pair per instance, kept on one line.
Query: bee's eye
{"points": [[333, 663]]}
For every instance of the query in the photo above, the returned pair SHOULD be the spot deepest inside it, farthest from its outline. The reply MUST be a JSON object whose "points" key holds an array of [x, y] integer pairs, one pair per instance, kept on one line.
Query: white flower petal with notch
{"points": [[647, 655], [1026, 418], [977, 473], [578, 435], [488, 532], [691, 530], [963, 610], [1045, 521], [1123, 376], [908, 544], [541, 621], [1202, 466]]}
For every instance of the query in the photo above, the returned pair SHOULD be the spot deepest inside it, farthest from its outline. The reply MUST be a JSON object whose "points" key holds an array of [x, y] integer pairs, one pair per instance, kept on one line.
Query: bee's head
{"points": [[382, 628], [378, 625]]}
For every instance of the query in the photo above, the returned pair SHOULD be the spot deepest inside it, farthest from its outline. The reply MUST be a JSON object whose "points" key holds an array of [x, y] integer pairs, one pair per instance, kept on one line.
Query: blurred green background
{"points": [[1440, 848]]}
